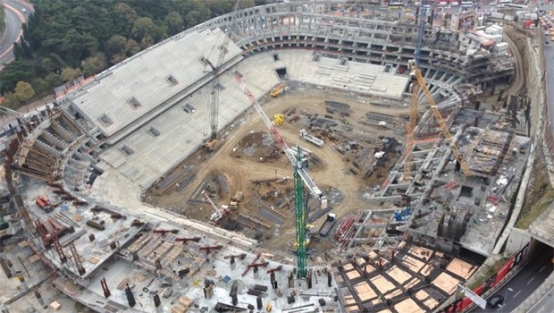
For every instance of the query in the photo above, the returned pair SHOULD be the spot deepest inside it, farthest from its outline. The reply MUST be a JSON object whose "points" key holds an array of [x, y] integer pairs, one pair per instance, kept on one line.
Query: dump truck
{"points": [[328, 225]]}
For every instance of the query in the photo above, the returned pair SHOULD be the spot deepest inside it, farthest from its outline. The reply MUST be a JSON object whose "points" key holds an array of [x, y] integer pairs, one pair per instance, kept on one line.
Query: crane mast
{"points": [[300, 219], [216, 70], [414, 101], [301, 179]]}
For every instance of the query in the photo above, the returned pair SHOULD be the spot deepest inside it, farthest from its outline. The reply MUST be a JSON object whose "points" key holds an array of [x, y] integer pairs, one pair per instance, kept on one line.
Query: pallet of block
{"points": [[184, 304]]}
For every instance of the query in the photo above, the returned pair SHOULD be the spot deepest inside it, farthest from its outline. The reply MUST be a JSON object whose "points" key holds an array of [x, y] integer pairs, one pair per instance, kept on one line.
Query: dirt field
{"points": [[248, 160]]}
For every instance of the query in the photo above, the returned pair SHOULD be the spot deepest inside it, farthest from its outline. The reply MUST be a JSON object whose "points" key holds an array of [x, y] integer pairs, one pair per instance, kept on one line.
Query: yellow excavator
{"points": [[278, 90], [278, 119], [210, 145]]}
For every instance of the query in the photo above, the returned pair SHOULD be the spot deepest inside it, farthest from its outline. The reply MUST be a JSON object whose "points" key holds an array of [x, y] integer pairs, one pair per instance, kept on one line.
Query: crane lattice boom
{"points": [[210, 201], [300, 219], [444, 128], [216, 70]]}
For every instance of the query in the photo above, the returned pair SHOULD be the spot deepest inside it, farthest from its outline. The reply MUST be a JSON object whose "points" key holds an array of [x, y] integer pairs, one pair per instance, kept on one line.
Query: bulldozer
{"points": [[278, 90], [210, 145]]}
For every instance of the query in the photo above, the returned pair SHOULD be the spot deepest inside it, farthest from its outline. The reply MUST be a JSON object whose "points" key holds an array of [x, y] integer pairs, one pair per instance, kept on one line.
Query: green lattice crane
{"points": [[300, 215]]}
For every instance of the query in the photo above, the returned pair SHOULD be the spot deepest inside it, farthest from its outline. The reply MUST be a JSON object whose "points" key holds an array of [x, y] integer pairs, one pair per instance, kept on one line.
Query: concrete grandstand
{"points": [[110, 140]]}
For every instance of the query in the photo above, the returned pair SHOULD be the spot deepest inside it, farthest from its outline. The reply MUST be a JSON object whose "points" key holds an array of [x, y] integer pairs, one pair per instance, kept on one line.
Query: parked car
{"points": [[495, 302]]}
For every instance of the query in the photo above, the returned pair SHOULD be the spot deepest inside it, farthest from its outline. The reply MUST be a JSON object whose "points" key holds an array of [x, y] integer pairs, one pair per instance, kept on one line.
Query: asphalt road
{"points": [[525, 282], [15, 17]]}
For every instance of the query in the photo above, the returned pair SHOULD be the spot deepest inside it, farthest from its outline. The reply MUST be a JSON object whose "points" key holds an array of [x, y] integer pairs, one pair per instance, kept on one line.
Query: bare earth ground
{"points": [[240, 168]]}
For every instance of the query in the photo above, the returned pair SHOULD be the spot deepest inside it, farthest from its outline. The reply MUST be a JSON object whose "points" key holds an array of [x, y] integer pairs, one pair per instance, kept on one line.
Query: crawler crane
{"points": [[214, 96], [218, 213]]}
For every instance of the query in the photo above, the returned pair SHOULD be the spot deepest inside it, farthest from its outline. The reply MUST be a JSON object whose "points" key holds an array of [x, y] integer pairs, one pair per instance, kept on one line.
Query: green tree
{"points": [[14, 72], [132, 47], [128, 13], [94, 64], [115, 45], [40, 86], [174, 22], [146, 42], [116, 48], [49, 64], [10, 100], [53, 79], [92, 34], [142, 27], [24, 91], [69, 74]]}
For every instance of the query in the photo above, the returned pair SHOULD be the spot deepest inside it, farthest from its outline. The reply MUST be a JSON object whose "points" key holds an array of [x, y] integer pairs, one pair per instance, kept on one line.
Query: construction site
{"points": [[325, 167]]}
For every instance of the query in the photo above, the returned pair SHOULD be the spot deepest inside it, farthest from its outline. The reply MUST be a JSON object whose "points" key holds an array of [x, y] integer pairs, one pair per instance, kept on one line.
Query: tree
{"points": [[92, 34], [174, 22], [132, 47], [94, 64], [53, 79], [10, 100], [20, 70], [49, 64], [40, 86], [69, 74], [146, 42], [24, 91], [126, 11], [116, 48], [142, 27]]}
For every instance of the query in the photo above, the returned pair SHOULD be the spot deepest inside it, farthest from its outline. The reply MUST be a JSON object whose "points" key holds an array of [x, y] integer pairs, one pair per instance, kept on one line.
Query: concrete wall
{"points": [[516, 241], [535, 84]]}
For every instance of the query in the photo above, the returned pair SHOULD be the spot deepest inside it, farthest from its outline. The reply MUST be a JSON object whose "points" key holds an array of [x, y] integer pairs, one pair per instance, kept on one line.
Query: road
{"points": [[525, 282], [15, 16]]}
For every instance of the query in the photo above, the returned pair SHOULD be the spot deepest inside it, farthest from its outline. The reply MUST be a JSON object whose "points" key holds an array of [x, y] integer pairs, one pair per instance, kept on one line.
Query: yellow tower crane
{"points": [[444, 128]]}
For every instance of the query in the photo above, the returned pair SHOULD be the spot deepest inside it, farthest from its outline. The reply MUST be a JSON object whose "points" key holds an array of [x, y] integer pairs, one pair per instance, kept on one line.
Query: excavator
{"points": [[278, 119], [210, 145], [278, 90]]}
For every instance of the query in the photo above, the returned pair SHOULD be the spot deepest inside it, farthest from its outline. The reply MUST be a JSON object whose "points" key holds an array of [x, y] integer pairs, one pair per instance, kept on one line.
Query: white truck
{"points": [[309, 138]]}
